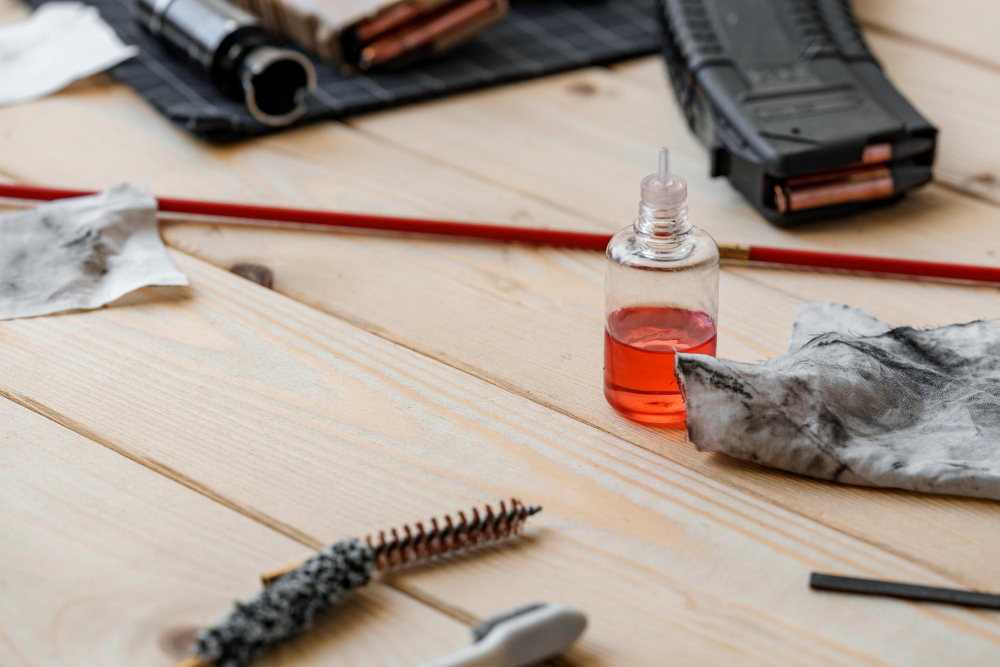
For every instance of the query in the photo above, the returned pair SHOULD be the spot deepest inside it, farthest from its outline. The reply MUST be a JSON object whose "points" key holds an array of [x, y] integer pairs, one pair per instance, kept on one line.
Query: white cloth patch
{"points": [[81, 253], [861, 402], [58, 44]]}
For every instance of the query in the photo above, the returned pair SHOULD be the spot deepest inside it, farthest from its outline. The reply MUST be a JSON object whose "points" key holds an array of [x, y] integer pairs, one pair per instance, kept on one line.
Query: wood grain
{"points": [[318, 428], [105, 562], [965, 27], [11, 10], [476, 301]]}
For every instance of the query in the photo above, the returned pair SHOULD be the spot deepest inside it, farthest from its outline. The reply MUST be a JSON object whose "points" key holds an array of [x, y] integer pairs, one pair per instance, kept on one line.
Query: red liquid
{"points": [[639, 349]]}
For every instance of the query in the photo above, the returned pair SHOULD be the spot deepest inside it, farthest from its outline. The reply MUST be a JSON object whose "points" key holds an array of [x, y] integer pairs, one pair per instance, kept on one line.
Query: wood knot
{"points": [[176, 642], [255, 272], [583, 88]]}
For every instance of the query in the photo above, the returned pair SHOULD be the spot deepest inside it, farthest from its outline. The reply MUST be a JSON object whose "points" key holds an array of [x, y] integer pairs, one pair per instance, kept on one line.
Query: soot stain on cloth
{"points": [[81, 252], [87, 249], [909, 408]]}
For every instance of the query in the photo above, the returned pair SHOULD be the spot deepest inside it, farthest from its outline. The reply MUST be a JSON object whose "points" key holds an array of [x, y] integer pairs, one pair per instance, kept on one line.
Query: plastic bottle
{"points": [[661, 297]]}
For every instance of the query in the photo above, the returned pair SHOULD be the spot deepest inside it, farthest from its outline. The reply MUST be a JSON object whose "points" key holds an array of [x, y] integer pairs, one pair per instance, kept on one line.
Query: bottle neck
{"points": [[664, 232]]}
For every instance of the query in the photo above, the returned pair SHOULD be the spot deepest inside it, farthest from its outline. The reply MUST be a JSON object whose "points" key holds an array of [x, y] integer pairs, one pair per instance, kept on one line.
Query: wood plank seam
{"points": [[889, 548], [151, 563], [987, 179], [164, 470], [263, 519], [374, 136], [927, 44]]}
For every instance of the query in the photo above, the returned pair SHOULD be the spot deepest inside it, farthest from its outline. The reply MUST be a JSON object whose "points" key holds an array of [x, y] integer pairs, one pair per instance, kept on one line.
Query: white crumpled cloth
{"points": [[858, 401], [81, 253], [58, 44]]}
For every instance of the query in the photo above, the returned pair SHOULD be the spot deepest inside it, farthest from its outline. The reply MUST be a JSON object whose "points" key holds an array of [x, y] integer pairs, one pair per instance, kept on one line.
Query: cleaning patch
{"points": [[81, 253], [860, 402]]}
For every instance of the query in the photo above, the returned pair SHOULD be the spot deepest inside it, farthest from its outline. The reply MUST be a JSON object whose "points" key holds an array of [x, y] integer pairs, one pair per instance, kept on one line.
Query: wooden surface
{"points": [[161, 452]]}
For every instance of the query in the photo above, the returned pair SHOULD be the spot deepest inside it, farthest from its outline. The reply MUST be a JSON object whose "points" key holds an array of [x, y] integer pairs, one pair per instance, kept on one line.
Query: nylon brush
{"points": [[295, 596]]}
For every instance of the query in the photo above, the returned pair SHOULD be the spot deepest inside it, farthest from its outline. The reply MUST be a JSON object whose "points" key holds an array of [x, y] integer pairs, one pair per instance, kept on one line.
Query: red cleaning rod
{"points": [[562, 239], [301, 216]]}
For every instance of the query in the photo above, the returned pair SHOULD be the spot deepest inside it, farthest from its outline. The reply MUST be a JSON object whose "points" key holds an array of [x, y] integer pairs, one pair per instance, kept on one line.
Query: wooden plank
{"points": [[323, 165], [476, 300], [959, 97], [104, 562], [313, 425], [965, 27], [589, 136], [11, 10]]}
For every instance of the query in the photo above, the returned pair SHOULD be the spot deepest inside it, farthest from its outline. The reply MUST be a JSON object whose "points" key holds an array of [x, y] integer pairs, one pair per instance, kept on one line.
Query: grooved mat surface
{"points": [[535, 39]]}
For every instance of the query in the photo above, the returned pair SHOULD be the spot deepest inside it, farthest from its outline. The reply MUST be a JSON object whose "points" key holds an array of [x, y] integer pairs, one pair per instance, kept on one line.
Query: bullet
{"points": [[421, 33], [386, 21], [849, 186]]}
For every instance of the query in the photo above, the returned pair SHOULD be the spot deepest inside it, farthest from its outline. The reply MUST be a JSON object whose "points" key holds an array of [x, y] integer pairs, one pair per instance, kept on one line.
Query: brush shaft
{"points": [[565, 239]]}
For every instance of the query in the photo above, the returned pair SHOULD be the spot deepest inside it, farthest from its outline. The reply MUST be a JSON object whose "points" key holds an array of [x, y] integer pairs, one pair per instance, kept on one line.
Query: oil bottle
{"points": [[661, 297]]}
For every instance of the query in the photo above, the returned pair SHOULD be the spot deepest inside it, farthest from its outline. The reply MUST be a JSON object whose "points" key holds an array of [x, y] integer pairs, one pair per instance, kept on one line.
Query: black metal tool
{"points": [[794, 108], [832, 582], [238, 54]]}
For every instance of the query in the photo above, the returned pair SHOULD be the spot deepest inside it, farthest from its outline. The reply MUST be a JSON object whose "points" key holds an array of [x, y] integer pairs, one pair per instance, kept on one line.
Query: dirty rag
{"points": [[858, 401], [82, 252]]}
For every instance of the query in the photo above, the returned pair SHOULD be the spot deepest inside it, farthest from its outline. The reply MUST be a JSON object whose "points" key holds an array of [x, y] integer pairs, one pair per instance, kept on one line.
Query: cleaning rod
{"points": [[276, 215]]}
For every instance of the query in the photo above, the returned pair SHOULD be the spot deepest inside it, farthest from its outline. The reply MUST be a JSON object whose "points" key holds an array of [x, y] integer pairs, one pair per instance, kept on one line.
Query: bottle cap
{"points": [[664, 188]]}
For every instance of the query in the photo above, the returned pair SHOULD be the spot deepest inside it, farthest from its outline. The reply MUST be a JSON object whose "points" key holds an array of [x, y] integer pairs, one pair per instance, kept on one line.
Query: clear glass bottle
{"points": [[661, 297]]}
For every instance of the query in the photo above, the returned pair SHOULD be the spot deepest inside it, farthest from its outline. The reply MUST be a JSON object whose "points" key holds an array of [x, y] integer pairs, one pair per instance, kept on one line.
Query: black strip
{"points": [[831, 582]]}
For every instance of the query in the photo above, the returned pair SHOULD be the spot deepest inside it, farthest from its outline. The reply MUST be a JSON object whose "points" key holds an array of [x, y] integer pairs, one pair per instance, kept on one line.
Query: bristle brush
{"points": [[296, 596]]}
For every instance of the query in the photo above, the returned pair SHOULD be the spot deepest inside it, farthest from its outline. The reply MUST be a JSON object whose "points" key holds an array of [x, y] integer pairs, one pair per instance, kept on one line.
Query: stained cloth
{"points": [[861, 402], [82, 252]]}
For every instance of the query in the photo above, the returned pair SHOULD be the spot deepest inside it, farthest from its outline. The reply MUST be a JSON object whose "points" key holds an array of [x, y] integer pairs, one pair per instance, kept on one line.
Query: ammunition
{"points": [[386, 21], [422, 33], [846, 186], [852, 186]]}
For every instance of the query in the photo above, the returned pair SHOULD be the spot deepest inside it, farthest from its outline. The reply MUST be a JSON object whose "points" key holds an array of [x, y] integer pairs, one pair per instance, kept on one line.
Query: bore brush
{"points": [[295, 596]]}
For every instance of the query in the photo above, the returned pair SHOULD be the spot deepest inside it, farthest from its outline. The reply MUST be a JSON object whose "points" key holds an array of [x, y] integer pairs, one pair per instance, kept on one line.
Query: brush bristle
{"points": [[417, 543], [286, 607]]}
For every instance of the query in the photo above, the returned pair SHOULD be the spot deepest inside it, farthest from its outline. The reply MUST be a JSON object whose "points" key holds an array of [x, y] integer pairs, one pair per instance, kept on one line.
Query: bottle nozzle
{"points": [[664, 166], [663, 188]]}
